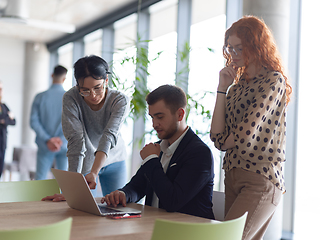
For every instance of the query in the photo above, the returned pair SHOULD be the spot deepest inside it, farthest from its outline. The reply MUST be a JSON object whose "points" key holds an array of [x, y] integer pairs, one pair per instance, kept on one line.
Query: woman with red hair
{"points": [[249, 124]]}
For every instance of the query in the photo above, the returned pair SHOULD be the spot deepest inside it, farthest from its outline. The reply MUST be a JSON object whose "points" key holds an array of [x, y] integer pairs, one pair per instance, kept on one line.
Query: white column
{"points": [[36, 80], [276, 15]]}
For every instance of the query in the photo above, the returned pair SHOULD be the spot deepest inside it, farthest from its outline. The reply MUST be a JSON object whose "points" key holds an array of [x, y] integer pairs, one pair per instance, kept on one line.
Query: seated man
{"points": [[177, 174]]}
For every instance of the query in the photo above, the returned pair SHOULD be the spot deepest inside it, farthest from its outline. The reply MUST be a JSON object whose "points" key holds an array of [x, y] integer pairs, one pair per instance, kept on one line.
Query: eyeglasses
{"points": [[236, 51], [96, 90]]}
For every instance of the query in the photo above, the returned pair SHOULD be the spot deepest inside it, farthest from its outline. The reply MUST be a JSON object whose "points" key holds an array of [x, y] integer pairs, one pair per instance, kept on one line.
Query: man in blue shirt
{"points": [[45, 120]]}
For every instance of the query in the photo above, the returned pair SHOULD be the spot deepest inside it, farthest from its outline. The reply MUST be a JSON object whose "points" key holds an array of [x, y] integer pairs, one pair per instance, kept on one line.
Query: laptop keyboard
{"points": [[105, 209]]}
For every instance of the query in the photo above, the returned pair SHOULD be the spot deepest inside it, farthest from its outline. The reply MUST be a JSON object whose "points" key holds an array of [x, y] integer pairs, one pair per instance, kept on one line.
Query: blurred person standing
{"points": [[45, 120], [6, 118]]}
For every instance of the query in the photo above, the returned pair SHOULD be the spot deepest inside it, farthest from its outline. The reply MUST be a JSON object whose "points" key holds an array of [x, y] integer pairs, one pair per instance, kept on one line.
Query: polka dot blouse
{"points": [[256, 114]]}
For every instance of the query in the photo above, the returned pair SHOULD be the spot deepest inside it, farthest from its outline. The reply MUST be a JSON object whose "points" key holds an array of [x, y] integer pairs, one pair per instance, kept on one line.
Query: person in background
{"points": [[177, 173], [249, 123], [45, 120], [6, 118], [92, 117]]}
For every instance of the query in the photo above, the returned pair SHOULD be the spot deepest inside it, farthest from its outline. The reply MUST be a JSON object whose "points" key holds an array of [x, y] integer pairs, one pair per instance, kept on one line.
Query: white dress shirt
{"points": [[168, 151]]}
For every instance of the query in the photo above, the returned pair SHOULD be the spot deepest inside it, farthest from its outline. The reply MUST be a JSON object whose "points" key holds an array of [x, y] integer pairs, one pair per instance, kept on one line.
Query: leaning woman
{"points": [[91, 120], [92, 116], [249, 124]]}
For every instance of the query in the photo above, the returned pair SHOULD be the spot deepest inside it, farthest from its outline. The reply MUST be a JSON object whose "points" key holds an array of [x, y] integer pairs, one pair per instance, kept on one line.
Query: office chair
{"points": [[218, 205], [24, 191], [171, 230], [23, 161], [60, 230]]}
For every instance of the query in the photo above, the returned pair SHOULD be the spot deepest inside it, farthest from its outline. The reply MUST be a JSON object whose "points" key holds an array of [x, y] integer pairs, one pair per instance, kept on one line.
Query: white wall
{"points": [[24, 73], [12, 59]]}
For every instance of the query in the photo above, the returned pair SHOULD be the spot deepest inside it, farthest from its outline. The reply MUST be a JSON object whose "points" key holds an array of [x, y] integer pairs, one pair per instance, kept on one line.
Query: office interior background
{"points": [[183, 39]]}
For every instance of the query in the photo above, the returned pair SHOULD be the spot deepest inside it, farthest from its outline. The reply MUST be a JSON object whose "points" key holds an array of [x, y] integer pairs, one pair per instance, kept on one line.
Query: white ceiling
{"points": [[78, 12]]}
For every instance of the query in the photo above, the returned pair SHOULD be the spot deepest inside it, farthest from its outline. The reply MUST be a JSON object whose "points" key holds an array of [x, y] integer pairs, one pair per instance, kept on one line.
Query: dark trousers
{"points": [[2, 152]]}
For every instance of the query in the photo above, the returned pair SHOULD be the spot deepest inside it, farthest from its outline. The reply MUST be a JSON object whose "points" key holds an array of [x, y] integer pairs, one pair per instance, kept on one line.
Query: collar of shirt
{"points": [[261, 74], [170, 149], [56, 85], [167, 149]]}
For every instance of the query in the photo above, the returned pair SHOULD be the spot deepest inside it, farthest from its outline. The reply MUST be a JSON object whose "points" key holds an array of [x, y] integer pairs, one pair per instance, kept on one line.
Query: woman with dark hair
{"points": [[249, 123], [92, 116], [6, 118]]}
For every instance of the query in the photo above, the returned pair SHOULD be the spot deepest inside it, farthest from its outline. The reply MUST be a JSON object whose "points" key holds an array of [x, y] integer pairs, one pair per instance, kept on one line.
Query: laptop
{"points": [[78, 196]]}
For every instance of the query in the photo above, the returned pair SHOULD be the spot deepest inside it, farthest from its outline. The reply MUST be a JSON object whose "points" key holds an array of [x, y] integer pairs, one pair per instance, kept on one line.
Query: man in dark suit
{"points": [[177, 173]]}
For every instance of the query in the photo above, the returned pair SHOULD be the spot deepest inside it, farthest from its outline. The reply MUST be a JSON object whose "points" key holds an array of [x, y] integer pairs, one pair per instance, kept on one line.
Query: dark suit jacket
{"points": [[187, 185], [3, 127]]}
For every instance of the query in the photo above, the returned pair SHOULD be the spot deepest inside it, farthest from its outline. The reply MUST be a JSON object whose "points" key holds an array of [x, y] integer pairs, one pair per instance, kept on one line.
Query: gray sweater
{"points": [[88, 131]]}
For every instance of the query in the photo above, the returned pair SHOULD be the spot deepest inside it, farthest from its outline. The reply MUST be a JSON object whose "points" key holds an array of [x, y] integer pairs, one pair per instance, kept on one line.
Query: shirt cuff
{"points": [[148, 158]]}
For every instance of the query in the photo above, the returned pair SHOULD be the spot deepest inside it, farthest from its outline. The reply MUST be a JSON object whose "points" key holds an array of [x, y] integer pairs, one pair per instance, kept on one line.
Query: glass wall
{"points": [[124, 53], [206, 60], [93, 43], [163, 44], [162, 50], [308, 164], [123, 70], [65, 59]]}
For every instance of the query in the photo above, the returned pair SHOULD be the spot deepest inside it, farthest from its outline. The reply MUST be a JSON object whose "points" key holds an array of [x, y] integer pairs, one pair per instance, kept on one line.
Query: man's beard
{"points": [[170, 132]]}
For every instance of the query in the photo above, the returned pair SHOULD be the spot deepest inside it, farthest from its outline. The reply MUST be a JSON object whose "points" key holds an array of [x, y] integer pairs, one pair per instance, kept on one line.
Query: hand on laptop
{"points": [[115, 198], [91, 180], [54, 198]]}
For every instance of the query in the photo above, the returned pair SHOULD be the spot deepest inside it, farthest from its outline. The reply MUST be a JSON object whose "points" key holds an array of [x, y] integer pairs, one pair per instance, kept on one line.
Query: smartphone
{"points": [[124, 216]]}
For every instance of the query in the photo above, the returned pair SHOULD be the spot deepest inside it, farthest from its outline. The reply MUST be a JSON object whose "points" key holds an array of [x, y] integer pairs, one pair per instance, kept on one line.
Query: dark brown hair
{"points": [[59, 71], [173, 96], [90, 66]]}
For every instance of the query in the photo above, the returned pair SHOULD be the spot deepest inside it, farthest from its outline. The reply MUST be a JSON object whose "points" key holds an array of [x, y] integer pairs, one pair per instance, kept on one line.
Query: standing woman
{"points": [[6, 118], [249, 123], [92, 116]]}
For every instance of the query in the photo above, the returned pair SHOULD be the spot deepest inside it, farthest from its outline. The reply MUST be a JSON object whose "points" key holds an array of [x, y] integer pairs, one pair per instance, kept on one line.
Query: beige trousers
{"points": [[253, 193]]}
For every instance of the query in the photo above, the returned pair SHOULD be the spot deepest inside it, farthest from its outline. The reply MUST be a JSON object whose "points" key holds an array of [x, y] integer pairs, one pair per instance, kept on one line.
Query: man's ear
{"points": [[181, 112]]}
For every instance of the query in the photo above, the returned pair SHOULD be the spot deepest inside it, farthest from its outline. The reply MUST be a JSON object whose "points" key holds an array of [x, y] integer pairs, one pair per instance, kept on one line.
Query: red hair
{"points": [[258, 43]]}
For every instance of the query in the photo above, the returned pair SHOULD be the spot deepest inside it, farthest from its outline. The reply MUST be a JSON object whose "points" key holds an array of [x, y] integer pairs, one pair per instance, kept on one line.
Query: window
{"points": [[124, 53], [308, 164], [206, 60], [163, 36], [93, 43], [65, 59], [124, 70]]}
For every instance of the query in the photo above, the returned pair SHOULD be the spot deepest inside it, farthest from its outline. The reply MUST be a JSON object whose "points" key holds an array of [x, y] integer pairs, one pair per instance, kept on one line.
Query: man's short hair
{"points": [[173, 96], [59, 71]]}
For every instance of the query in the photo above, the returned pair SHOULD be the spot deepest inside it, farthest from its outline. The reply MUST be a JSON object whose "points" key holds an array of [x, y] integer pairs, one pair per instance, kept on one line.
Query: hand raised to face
{"points": [[227, 76], [149, 149]]}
